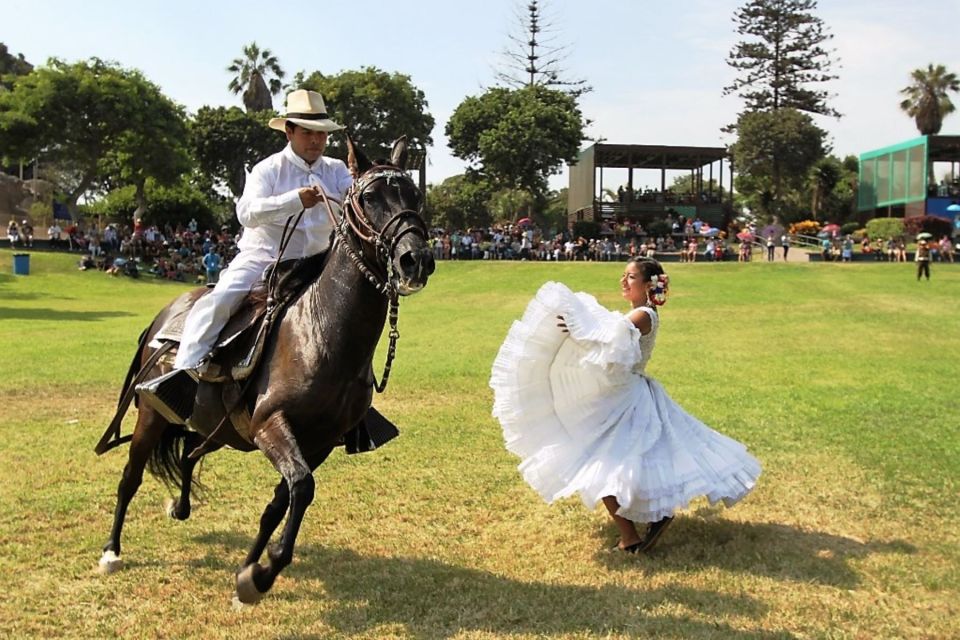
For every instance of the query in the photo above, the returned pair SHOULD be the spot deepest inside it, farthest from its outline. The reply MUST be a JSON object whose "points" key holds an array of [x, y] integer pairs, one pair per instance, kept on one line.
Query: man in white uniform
{"points": [[276, 190]]}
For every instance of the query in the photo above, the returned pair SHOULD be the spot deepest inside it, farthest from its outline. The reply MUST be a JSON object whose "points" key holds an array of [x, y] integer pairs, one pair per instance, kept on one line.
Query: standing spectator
{"points": [[110, 240], [93, 245], [212, 264], [825, 249], [946, 249], [847, 254], [785, 245], [771, 247], [923, 260]]}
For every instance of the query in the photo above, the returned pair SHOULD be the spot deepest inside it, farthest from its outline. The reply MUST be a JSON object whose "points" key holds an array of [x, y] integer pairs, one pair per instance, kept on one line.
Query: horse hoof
{"points": [[247, 592], [110, 563], [170, 506]]}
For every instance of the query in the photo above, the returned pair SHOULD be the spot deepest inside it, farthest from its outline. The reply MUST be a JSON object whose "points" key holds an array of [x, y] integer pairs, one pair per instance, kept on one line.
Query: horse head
{"points": [[383, 208]]}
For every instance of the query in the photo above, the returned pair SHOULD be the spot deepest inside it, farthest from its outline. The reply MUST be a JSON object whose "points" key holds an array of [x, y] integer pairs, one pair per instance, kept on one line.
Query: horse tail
{"points": [[134, 365], [167, 457], [111, 437]]}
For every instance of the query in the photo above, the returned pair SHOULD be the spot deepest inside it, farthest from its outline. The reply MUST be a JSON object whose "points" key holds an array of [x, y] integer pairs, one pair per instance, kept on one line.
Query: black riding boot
{"points": [[172, 395]]}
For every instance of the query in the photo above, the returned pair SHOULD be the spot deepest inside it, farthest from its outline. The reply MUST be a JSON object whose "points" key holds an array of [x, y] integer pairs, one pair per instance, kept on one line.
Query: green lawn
{"points": [[841, 378]]}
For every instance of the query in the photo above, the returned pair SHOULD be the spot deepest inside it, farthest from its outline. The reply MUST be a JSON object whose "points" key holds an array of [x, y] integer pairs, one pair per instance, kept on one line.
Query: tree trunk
{"points": [[81, 188], [141, 199]]}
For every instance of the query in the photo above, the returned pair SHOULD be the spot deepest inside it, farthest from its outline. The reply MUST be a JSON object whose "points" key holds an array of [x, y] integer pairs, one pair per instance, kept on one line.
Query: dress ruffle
{"points": [[583, 422]]}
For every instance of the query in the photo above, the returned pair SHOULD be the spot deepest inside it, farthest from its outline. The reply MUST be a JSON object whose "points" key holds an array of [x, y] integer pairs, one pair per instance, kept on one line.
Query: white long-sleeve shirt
{"points": [[271, 196]]}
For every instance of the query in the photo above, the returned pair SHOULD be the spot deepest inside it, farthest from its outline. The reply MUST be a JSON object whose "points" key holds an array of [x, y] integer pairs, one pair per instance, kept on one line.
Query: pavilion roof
{"points": [[647, 156]]}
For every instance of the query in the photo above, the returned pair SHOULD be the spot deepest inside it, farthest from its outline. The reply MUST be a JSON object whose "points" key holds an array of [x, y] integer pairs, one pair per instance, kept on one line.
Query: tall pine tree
{"points": [[782, 62], [784, 57]]}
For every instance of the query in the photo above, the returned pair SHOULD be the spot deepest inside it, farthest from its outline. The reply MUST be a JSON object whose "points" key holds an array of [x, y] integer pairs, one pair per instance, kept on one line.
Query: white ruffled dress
{"points": [[584, 418]]}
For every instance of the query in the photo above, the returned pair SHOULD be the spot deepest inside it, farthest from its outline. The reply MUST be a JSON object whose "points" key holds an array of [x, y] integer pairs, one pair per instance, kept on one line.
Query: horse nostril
{"points": [[428, 262], [408, 264]]}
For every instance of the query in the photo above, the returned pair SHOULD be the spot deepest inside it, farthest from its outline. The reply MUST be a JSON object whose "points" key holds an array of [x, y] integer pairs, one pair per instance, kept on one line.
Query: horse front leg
{"points": [[275, 439], [269, 521], [274, 511]]}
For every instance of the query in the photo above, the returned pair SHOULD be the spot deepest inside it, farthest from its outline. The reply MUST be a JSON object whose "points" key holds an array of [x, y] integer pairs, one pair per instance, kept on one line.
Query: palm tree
{"points": [[251, 73], [927, 100]]}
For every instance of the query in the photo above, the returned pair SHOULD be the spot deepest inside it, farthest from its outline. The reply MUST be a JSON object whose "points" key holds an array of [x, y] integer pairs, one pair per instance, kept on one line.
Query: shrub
{"points": [[931, 224], [885, 227], [849, 228], [805, 228]]}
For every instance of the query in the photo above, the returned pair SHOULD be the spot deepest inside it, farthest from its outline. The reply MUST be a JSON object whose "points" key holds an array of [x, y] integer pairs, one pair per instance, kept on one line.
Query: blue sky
{"points": [[657, 68]]}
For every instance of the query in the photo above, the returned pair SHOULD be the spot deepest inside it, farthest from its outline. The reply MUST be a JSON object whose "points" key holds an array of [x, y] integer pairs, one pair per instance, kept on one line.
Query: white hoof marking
{"points": [[170, 506], [247, 591], [110, 562]]}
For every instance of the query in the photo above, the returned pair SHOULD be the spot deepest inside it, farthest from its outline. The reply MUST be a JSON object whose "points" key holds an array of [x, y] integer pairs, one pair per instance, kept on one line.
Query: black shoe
{"points": [[171, 395], [653, 534]]}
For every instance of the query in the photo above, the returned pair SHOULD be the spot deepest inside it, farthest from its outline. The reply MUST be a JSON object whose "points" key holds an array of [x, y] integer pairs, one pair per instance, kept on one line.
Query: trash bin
{"points": [[21, 264]]}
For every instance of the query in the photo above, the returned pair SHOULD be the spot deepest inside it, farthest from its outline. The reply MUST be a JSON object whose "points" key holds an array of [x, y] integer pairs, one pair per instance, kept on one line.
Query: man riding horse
{"points": [[277, 188]]}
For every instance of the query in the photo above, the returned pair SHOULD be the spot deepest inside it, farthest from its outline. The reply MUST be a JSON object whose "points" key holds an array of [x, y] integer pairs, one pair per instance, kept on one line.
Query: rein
{"points": [[380, 274]]}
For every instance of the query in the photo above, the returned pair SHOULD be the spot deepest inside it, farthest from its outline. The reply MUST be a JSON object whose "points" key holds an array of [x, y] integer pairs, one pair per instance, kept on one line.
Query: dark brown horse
{"points": [[315, 382]]}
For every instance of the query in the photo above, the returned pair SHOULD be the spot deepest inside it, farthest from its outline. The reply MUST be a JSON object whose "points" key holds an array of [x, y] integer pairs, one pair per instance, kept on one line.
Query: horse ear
{"points": [[398, 157], [357, 162]]}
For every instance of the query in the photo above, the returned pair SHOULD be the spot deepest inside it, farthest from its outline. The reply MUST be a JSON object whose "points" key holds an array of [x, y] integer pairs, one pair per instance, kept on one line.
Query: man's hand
{"points": [[310, 196]]}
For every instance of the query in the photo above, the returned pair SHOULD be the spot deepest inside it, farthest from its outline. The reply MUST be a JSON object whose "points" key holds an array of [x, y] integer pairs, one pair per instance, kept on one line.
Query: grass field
{"points": [[842, 379]]}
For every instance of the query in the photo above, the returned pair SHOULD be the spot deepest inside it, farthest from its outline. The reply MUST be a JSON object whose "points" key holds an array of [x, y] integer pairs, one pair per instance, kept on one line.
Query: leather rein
{"points": [[354, 221]]}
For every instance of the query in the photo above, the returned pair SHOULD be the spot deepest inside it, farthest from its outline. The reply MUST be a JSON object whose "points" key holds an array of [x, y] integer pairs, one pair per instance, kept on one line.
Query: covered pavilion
{"points": [[710, 204]]}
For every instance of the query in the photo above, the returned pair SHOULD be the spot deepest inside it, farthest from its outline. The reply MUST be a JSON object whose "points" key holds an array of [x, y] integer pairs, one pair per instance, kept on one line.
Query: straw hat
{"points": [[306, 109]]}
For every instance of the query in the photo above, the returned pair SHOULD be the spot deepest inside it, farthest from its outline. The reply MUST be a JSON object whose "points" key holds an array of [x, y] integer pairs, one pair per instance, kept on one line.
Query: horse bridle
{"points": [[353, 218], [384, 246]]}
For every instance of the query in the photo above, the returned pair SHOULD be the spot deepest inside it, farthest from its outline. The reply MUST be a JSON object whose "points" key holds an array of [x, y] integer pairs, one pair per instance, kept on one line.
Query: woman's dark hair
{"points": [[648, 267]]}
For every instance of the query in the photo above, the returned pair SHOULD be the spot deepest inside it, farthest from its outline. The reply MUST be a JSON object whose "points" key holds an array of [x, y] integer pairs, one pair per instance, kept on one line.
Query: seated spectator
{"points": [[13, 233], [86, 262]]}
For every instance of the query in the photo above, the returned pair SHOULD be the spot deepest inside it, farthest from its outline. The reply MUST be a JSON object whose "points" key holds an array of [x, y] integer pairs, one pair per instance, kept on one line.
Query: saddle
{"points": [[240, 345], [239, 348]]}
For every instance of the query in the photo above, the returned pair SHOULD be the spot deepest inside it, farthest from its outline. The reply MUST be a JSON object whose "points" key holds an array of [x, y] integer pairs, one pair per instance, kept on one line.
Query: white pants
{"points": [[210, 314]]}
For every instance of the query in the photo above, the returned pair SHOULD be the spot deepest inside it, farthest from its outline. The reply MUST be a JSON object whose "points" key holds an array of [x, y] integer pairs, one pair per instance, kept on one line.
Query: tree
{"points": [[227, 141], [172, 204], [11, 67], [784, 56], [518, 137], [774, 154], [107, 124], [252, 77], [376, 106], [685, 184], [533, 57], [928, 99], [459, 202], [509, 205]]}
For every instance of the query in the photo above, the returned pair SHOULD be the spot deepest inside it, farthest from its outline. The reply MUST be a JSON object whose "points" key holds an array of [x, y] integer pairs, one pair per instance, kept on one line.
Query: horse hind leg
{"points": [[276, 441], [147, 433], [179, 508]]}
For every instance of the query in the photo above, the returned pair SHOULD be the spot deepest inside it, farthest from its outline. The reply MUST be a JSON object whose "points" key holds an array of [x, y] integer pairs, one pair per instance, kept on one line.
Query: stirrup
{"points": [[171, 395]]}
